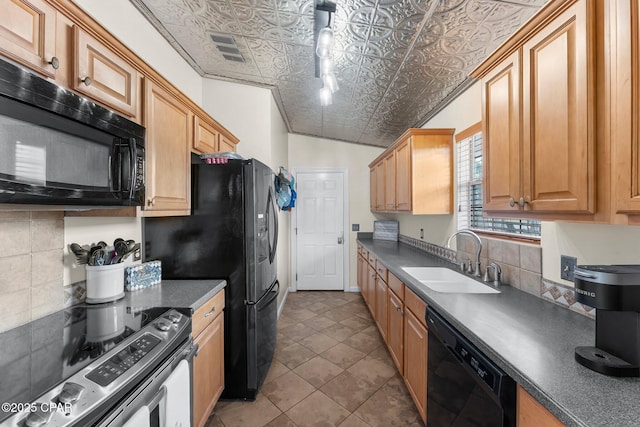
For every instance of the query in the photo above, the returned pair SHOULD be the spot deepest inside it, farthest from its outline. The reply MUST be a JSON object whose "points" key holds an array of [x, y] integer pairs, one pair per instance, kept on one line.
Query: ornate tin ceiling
{"points": [[397, 62]]}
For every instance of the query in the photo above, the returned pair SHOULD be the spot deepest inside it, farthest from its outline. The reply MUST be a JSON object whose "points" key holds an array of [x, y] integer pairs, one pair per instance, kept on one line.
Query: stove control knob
{"points": [[39, 417], [70, 393], [163, 325], [174, 317]]}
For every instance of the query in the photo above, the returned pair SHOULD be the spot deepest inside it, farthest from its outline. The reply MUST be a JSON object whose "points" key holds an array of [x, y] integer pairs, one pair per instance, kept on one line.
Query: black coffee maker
{"points": [[614, 291]]}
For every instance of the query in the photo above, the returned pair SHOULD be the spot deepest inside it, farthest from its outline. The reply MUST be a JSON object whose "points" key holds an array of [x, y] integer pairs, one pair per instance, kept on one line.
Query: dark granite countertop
{"points": [[531, 339], [175, 293]]}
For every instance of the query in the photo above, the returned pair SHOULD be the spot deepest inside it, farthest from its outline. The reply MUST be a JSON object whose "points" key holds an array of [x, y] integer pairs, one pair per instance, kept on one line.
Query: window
{"points": [[469, 162]]}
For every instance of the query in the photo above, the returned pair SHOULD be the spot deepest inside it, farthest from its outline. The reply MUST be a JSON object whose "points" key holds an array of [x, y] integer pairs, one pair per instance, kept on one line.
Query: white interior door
{"points": [[320, 231]]}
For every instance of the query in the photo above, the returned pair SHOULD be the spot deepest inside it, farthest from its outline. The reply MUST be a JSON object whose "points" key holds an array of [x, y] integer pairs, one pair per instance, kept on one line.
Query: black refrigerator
{"points": [[231, 234]]}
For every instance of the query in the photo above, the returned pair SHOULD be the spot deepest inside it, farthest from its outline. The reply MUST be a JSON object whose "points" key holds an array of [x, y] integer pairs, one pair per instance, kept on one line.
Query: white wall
{"points": [[245, 111], [310, 152], [127, 24]]}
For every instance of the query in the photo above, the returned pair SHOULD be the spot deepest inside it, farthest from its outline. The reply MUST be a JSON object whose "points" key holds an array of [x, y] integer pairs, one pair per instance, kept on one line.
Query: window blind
{"points": [[469, 163]]}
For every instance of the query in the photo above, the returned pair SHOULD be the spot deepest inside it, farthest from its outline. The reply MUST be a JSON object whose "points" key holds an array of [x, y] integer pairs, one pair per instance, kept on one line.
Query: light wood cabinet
{"points": [[403, 176], [540, 149], [104, 75], [531, 413], [373, 191], [625, 105], [28, 34], [381, 315], [415, 360], [558, 129], [395, 330], [380, 186], [168, 122], [209, 137], [390, 172], [422, 181], [208, 365], [501, 120], [227, 143]]}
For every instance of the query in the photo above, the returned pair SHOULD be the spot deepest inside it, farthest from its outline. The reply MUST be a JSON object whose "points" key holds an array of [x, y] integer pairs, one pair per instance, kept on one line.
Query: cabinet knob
{"points": [[522, 202], [55, 63], [512, 202], [87, 81], [151, 201]]}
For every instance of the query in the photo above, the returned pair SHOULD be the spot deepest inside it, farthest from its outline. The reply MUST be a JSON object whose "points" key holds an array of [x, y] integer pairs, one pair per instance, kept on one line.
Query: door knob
{"points": [[340, 240], [87, 81], [55, 63], [512, 202], [522, 202]]}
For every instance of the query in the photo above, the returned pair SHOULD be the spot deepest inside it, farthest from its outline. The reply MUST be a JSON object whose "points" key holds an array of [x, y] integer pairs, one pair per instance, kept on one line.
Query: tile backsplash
{"points": [[521, 266], [31, 266]]}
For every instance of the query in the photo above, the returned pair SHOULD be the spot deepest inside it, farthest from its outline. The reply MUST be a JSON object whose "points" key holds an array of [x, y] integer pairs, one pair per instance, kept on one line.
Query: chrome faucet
{"points": [[497, 272], [477, 272]]}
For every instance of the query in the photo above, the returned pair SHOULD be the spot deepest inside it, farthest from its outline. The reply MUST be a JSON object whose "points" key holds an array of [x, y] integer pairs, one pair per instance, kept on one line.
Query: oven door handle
{"points": [[157, 399]]}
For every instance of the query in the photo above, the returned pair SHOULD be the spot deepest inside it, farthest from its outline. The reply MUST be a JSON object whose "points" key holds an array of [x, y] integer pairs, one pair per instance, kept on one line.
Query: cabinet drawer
{"points": [[372, 259], [416, 305], [204, 315], [382, 271], [396, 286]]}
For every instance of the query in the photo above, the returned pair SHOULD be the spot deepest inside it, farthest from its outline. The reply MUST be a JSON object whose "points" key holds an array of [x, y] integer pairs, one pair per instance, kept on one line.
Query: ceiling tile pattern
{"points": [[398, 62]]}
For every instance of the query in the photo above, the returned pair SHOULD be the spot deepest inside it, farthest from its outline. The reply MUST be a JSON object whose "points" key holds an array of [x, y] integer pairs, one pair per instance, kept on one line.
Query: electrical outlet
{"points": [[355, 227], [422, 233], [567, 266]]}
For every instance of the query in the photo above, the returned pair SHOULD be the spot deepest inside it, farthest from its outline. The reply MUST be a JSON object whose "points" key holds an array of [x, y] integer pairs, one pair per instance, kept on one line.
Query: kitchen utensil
{"points": [[98, 257], [82, 255], [119, 239], [133, 249], [120, 249]]}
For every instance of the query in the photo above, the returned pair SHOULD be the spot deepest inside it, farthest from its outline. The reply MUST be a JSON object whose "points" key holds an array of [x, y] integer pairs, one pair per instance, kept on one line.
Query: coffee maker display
{"points": [[614, 291]]}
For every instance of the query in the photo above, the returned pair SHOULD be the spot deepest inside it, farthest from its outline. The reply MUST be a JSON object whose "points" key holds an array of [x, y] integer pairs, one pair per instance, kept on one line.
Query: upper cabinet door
{"points": [[227, 144], [501, 139], [373, 193], [380, 196], [403, 176], [625, 94], [168, 123], [558, 114], [205, 137], [390, 182], [28, 34], [103, 75]]}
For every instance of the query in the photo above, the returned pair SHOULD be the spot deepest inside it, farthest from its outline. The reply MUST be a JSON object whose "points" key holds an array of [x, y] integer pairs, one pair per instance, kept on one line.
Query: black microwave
{"points": [[59, 148]]}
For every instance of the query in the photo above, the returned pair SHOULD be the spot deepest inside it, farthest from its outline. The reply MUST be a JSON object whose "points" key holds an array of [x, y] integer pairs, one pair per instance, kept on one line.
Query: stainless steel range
{"points": [[92, 365]]}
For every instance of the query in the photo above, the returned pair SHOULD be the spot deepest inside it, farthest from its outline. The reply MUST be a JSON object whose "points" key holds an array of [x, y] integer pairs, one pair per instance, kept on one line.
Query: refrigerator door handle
{"points": [[271, 204], [276, 283]]}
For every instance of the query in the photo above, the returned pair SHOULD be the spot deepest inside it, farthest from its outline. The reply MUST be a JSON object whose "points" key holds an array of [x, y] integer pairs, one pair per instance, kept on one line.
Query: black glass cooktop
{"points": [[40, 355]]}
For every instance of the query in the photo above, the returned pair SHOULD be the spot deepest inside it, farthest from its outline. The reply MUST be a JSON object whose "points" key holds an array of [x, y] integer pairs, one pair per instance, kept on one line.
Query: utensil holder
{"points": [[105, 283]]}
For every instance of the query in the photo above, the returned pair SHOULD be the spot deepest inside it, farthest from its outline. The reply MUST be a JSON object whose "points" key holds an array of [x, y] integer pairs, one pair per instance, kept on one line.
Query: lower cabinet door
{"points": [[395, 332], [415, 361], [208, 371]]}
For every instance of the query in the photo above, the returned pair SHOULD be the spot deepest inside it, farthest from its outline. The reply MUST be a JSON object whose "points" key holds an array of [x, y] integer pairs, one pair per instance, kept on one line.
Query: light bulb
{"points": [[326, 65], [330, 81], [325, 42], [325, 97]]}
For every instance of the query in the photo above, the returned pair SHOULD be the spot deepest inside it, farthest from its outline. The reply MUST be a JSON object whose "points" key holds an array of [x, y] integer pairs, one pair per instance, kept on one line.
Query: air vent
{"points": [[231, 50], [222, 39], [233, 58], [227, 45]]}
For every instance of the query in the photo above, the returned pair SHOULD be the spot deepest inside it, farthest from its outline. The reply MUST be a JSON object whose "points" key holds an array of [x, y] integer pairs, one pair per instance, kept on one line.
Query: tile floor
{"points": [[331, 368]]}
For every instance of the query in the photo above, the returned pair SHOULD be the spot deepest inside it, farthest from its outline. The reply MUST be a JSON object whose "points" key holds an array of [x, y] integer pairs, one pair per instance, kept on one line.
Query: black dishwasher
{"points": [[464, 387]]}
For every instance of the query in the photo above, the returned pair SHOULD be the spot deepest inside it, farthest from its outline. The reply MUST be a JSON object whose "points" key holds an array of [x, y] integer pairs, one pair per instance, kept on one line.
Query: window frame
{"points": [[461, 137]]}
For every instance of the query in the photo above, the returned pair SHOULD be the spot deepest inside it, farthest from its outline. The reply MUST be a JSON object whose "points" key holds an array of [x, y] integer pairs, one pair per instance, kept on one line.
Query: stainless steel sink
{"points": [[440, 279]]}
